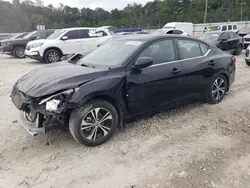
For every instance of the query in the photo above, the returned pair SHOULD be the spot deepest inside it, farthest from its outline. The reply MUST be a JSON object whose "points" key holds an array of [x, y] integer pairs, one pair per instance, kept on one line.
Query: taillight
{"points": [[233, 59]]}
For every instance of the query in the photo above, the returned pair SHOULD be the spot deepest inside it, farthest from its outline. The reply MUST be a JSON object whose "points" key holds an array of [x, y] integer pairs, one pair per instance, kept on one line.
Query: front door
{"points": [[157, 85], [73, 43]]}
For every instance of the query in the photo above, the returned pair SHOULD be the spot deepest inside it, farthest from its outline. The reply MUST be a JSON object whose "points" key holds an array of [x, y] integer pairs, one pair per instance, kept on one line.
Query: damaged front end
{"points": [[38, 115]]}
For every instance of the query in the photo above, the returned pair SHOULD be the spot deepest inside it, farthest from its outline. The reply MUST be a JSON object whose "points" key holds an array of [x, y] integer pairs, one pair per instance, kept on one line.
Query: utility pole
{"points": [[205, 15]]}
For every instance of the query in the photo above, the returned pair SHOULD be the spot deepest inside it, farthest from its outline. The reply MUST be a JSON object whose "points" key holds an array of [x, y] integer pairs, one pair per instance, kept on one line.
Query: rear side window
{"points": [[170, 32], [204, 48], [74, 34], [84, 33], [230, 27], [161, 51], [234, 27], [224, 28], [178, 32], [189, 49]]}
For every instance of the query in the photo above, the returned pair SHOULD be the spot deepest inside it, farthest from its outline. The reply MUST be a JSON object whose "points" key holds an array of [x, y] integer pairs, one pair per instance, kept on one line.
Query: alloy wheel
{"points": [[96, 123], [20, 52], [53, 57], [218, 89]]}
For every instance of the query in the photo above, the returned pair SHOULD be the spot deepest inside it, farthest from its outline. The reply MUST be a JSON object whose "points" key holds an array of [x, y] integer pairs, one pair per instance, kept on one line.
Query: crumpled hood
{"points": [[56, 77]]}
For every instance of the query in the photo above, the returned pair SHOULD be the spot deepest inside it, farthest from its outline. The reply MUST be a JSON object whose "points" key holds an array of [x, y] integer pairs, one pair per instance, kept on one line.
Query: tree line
{"points": [[20, 16]]}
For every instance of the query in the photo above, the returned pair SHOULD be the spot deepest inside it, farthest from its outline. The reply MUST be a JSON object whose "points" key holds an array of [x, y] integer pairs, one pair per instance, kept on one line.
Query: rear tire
{"points": [[94, 123], [52, 56], [19, 52], [217, 89]]}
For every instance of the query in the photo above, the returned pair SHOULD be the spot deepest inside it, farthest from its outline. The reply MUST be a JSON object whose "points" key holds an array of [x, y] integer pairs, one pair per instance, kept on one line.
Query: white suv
{"points": [[66, 41]]}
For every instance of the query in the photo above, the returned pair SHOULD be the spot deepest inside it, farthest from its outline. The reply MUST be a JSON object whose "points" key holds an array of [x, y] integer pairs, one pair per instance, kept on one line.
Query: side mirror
{"points": [[143, 62], [33, 38], [65, 38]]}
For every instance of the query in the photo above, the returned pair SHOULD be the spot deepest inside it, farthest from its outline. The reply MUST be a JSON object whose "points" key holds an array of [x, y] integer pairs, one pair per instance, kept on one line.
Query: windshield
{"points": [[214, 28], [208, 37], [56, 34], [111, 54], [29, 35]]}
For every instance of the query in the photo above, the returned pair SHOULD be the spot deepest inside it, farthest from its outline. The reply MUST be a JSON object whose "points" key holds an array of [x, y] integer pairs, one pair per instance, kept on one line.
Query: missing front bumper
{"points": [[33, 128]]}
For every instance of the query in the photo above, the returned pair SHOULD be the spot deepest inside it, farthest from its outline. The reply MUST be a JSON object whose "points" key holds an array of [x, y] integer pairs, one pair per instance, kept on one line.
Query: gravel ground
{"points": [[195, 146]]}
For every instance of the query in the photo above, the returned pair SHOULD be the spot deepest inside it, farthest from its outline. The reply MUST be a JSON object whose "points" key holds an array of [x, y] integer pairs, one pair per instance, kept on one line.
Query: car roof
{"points": [[152, 37]]}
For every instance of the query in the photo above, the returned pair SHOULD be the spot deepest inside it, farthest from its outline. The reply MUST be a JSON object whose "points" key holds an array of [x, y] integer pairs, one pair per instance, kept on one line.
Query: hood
{"points": [[37, 41], [56, 77], [13, 41], [247, 36]]}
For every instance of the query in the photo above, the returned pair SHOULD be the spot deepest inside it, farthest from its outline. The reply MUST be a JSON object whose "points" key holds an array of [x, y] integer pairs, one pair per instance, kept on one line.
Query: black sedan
{"points": [[120, 80], [226, 41]]}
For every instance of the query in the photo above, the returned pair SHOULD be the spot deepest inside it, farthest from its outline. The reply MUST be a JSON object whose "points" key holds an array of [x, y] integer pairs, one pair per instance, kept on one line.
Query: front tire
{"points": [[52, 56], [217, 89], [19, 52], [94, 123]]}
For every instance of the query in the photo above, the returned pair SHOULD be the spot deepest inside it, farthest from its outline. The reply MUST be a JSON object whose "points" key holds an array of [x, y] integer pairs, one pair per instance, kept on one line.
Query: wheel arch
{"points": [[52, 48], [227, 77]]}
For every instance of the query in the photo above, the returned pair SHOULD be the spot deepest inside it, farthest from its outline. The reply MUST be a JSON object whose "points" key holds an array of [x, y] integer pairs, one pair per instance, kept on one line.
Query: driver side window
{"points": [[161, 51]]}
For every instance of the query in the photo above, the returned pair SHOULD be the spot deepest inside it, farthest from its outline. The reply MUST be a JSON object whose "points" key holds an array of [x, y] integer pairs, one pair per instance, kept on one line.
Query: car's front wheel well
{"points": [[114, 102], [53, 48]]}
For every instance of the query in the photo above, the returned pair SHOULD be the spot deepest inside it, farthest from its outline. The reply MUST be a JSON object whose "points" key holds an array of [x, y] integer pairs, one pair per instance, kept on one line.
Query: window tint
{"points": [[170, 32], [101, 33], [204, 48], [178, 32], [84, 33], [74, 34], [234, 26], [224, 28], [161, 52], [189, 49], [225, 35], [230, 27]]}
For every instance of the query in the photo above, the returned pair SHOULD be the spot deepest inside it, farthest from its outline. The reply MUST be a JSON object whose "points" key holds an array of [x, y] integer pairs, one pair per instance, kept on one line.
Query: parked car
{"points": [[246, 40], [243, 31], [66, 41], [18, 36], [223, 27], [120, 80], [73, 58], [247, 56], [16, 47], [175, 31], [185, 26], [226, 41]]}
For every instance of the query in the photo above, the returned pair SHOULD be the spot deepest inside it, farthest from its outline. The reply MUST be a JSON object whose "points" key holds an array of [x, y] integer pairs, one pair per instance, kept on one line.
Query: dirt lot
{"points": [[198, 145]]}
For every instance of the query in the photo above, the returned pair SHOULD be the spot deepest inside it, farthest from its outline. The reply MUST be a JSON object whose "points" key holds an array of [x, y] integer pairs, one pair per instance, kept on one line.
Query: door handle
{"points": [[212, 62], [175, 71]]}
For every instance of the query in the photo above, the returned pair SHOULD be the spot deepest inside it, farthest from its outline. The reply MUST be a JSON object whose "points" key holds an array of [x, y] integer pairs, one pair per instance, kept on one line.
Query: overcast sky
{"points": [[105, 4]]}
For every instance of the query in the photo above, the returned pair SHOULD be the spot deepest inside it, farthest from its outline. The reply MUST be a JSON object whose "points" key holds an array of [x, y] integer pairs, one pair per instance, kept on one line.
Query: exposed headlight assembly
{"points": [[56, 103], [36, 45]]}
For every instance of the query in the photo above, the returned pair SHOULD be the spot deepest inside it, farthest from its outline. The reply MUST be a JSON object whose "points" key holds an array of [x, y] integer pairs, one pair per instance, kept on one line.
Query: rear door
{"points": [[157, 85], [225, 41], [233, 41], [73, 43], [198, 67]]}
